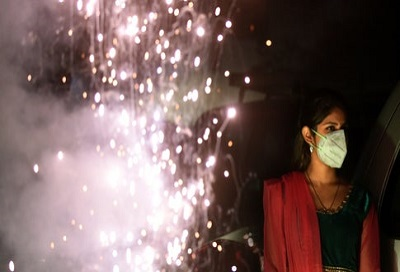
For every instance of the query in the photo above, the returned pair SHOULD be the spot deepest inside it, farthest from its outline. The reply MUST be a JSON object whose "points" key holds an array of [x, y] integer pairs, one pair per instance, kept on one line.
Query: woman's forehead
{"points": [[336, 116]]}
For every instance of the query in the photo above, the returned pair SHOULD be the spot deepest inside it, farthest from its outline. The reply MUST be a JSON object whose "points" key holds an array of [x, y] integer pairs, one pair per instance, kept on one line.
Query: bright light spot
{"points": [[217, 11], [113, 144], [60, 155], [97, 97], [29, 77], [36, 168], [79, 5], [197, 61], [234, 268], [228, 24], [231, 113], [189, 25], [195, 95], [268, 42], [247, 80], [177, 55], [206, 134], [226, 173], [100, 37], [227, 73], [210, 162], [220, 38], [250, 242], [153, 16], [11, 266], [123, 75], [166, 44], [200, 31], [114, 253]]}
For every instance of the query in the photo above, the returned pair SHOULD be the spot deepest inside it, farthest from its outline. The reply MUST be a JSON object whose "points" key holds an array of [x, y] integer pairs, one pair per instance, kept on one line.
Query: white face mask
{"points": [[332, 148]]}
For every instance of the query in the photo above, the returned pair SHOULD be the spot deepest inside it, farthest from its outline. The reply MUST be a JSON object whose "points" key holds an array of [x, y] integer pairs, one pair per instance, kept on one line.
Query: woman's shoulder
{"points": [[293, 175], [288, 178]]}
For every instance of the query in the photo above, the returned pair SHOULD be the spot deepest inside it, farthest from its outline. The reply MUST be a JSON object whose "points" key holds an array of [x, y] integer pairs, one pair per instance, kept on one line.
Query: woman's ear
{"points": [[307, 135]]}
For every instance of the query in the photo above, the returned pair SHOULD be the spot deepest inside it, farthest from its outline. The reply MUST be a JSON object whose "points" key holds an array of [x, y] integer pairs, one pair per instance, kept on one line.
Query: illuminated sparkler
{"points": [[140, 201]]}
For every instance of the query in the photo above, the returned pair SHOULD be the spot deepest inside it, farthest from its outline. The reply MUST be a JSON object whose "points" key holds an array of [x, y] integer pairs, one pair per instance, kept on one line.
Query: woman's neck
{"points": [[322, 174]]}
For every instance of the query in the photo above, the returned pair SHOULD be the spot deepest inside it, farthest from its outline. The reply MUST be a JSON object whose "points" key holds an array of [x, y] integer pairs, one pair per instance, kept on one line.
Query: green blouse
{"points": [[341, 232]]}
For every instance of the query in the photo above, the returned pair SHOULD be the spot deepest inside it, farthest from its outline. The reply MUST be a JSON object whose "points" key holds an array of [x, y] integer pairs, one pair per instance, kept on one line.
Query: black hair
{"points": [[315, 106]]}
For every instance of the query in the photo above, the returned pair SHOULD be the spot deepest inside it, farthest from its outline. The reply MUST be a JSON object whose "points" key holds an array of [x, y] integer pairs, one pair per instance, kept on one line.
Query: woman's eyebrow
{"points": [[335, 123]]}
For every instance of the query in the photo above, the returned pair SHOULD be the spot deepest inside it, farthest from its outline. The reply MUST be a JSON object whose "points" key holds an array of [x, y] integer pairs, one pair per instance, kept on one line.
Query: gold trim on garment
{"points": [[336, 269]]}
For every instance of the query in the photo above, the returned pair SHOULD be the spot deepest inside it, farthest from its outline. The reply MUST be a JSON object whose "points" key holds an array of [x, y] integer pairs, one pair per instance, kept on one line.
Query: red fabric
{"points": [[370, 255], [291, 233]]}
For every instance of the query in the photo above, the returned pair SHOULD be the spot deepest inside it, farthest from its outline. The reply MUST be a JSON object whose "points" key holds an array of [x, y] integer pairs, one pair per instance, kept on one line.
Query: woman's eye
{"points": [[330, 128]]}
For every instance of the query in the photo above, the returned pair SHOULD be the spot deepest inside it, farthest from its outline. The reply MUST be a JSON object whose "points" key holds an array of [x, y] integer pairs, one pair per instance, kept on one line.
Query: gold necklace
{"points": [[324, 208]]}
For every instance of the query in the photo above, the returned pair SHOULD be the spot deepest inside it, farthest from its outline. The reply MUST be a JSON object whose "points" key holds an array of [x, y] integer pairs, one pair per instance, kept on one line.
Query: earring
{"points": [[311, 148]]}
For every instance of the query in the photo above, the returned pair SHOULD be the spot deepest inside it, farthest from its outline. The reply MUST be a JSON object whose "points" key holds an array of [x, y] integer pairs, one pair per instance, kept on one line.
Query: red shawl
{"points": [[291, 233]]}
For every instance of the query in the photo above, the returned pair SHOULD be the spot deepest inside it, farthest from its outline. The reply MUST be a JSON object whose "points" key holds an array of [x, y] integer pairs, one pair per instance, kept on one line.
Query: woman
{"points": [[315, 220]]}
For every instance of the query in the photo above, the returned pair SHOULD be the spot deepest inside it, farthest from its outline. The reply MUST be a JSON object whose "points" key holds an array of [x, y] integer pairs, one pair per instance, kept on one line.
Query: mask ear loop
{"points": [[319, 134], [312, 145]]}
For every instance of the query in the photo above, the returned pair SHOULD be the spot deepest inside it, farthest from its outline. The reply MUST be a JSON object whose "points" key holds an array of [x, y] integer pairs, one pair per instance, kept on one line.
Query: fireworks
{"points": [[139, 190]]}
